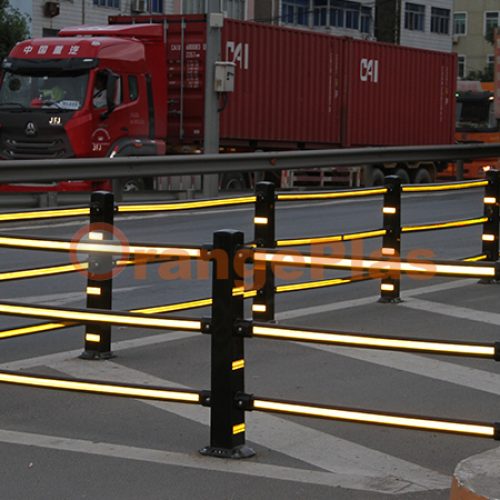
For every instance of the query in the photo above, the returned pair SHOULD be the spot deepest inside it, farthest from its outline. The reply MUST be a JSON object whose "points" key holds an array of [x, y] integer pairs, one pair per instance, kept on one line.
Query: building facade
{"points": [[422, 24], [473, 26], [49, 16]]}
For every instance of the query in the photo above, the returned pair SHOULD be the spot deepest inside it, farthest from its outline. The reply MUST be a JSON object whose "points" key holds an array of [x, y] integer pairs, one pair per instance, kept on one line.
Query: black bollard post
{"points": [[264, 222], [391, 242], [99, 282], [227, 419]]}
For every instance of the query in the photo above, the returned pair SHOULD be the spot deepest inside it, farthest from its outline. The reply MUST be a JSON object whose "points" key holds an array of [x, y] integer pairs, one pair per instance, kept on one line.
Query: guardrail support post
{"points": [[391, 242], [265, 237], [490, 234], [227, 420], [99, 282]]}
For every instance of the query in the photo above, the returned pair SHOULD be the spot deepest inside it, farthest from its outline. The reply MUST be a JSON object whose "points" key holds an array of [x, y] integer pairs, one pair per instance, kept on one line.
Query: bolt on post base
{"points": [[96, 355], [388, 300], [487, 281], [242, 451]]}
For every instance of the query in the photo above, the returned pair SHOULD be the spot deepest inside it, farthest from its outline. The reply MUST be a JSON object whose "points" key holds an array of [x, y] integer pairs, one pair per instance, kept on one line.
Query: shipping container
{"points": [[301, 89]]}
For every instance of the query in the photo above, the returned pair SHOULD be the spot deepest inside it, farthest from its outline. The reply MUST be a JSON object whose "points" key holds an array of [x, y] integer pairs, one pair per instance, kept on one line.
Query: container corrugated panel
{"points": [[397, 95], [287, 85]]}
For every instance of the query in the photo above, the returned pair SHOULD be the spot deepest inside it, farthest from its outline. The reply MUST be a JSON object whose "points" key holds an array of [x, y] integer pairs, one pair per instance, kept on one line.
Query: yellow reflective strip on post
{"points": [[186, 205], [98, 388], [331, 195], [92, 337], [376, 418], [373, 342], [92, 317], [260, 220], [443, 187], [96, 235], [44, 214], [388, 251], [238, 429], [93, 290], [238, 365], [259, 307]]}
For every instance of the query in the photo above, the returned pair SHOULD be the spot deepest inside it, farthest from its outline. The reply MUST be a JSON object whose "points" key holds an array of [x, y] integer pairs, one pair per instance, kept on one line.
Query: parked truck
{"points": [[476, 122], [279, 89]]}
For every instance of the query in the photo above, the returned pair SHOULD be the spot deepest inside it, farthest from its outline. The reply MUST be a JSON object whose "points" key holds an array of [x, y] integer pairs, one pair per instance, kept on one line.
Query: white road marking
{"points": [[346, 304], [193, 460], [393, 475], [453, 311]]}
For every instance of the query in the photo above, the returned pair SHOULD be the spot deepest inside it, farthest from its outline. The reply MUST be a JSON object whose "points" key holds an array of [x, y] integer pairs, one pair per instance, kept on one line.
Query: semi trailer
{"points": [[278, 89]]}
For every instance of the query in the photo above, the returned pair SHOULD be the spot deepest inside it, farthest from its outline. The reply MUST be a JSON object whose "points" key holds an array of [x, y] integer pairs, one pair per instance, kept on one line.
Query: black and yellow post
{"points": [[391, 242], [227, 418], [99, 282], [490, 236], [264, 223]]}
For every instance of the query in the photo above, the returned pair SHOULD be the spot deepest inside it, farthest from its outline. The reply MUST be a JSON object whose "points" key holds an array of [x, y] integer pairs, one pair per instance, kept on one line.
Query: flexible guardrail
{"points": [[227, 326]]}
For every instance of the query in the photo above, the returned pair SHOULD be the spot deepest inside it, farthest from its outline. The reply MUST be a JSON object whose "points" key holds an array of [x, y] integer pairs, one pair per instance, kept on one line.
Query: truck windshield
{"points": [[475, 114], [66, 92]]}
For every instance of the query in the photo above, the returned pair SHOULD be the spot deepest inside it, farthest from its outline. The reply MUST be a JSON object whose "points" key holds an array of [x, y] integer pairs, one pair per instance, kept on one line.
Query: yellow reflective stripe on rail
{"points": [[442, 187], [164, 207], [445, 225]]}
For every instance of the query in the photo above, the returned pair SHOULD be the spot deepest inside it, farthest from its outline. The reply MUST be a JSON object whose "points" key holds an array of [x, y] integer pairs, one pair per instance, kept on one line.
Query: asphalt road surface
{"points": [[61, 445]]}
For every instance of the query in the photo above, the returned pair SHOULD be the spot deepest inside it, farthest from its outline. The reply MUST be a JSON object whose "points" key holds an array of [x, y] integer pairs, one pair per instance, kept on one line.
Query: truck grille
{"points": [[16, 149]]}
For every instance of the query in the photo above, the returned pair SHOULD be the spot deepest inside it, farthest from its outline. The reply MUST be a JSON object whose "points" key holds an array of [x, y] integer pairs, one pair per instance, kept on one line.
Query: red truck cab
{"points": [[48, 106]]}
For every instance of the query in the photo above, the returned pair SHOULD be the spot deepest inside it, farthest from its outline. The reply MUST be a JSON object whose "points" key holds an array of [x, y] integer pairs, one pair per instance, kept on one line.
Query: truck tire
{"points": [[422, 176], [233, 181], [378, 177], [133, 185], [403, 175]]}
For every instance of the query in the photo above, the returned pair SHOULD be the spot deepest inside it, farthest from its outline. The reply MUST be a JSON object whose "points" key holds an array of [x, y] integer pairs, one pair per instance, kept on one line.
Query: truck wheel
{"points": [[378, 177], [403, 175], [133, 185], [233, 182], [422, 176]]}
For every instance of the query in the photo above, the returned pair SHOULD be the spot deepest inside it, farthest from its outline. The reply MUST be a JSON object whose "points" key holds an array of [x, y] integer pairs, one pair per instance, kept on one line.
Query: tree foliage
{"points": [[13, 27]]}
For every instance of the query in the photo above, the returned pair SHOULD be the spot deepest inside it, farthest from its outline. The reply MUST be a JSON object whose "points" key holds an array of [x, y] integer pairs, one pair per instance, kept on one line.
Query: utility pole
{"points": [[215, 20]]}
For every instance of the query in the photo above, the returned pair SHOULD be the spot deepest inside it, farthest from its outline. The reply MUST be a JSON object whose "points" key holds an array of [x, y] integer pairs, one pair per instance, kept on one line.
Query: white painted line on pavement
{"points": [[453, 311], [319, 449], [193, 460]]}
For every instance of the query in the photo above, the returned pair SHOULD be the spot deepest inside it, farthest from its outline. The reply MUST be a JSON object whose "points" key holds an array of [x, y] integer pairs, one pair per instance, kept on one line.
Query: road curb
{"points": [[477, 477]]}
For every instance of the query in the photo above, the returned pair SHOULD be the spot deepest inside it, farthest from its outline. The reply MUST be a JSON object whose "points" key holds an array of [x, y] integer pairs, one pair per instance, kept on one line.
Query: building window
{"points": [[113, 4], [460, 23], [193, 6], [414, 16], [440, 21], [296, 12], [342, 14], [490, 23], [235, 9], [156, 6], [366, 20], [490, 65], [461, 66]]}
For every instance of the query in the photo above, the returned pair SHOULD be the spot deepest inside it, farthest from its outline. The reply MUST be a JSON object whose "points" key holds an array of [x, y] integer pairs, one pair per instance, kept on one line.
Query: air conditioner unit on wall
{"points": [[138, 6], [455, 38]]}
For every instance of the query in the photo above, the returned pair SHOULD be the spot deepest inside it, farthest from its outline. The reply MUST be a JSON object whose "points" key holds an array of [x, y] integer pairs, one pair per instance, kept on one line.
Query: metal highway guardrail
{"points": [[140, 166]]}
